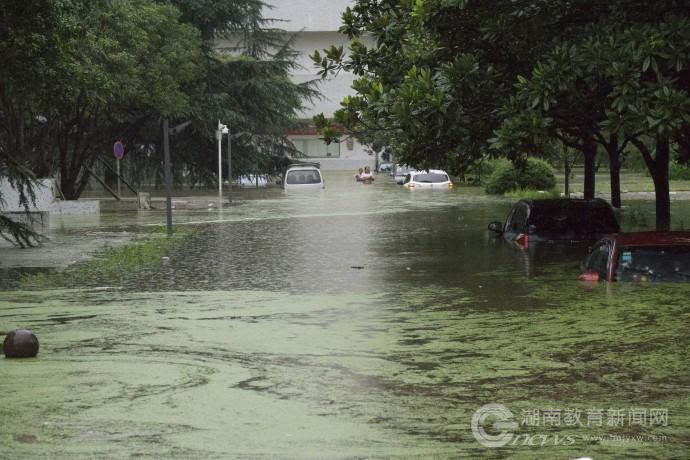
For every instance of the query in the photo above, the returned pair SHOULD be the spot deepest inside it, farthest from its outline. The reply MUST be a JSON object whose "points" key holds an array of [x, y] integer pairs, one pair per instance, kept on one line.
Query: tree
{"points": [[439, 79], [111, 66], [572, 88], [246, 84], [28, 47], [648, 66], [123, 63], [569, 101]]}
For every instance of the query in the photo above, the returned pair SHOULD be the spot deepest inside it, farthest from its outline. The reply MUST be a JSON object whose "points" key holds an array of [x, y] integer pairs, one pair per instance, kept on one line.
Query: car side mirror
{"points": [[589, 276], [496, 227]]}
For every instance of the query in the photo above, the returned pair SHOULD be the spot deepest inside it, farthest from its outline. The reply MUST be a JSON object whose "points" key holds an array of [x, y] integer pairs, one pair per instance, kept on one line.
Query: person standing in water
{"points": [[358, 176], [366, 176]]}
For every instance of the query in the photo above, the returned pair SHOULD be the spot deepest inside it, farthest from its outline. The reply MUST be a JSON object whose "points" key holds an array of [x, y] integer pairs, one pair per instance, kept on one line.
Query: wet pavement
{"points": [[362, 321]]}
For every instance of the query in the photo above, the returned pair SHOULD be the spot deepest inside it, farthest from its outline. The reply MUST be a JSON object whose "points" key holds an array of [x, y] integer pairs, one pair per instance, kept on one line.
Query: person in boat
{"points": [[358, 176]]}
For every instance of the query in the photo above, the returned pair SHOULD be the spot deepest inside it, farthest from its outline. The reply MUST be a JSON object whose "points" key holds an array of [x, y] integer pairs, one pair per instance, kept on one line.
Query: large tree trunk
{"points": [[566, 167], [661, 187], [658, 168], [614, 170], [590, 153]]}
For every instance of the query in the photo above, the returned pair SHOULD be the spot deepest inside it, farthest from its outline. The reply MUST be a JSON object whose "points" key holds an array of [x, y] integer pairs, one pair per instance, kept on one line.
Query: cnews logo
{"points": [[498, 418]]}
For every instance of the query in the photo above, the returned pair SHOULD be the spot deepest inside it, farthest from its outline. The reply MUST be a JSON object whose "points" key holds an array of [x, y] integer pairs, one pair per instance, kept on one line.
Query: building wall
{"points": [[350, 154], [314, 25]]}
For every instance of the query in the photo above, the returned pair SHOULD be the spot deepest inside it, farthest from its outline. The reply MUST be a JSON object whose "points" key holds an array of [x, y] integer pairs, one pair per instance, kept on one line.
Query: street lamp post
{"points": [[229, 165], [222, 129]]}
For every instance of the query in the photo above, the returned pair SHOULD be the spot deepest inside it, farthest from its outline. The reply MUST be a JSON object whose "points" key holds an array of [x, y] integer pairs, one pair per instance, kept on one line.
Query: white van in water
{"points": [[303, 176]]}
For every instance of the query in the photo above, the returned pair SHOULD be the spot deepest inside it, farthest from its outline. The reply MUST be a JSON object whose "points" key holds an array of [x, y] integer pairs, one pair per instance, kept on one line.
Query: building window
{"points": [[314, 147]]}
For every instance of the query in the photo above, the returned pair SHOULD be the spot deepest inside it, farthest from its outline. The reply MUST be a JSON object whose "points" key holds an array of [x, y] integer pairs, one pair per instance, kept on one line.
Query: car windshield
{"points": [[653, 263], [303, 176], [428, 178], [573, 219]]}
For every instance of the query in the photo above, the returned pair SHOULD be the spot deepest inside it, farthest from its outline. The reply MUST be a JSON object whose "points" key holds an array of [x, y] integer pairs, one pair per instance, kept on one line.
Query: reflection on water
{"points": [[361, 321]]}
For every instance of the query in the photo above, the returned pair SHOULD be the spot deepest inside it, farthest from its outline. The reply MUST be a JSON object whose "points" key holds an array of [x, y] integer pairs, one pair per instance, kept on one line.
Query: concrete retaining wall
{"points": [[75, 208]]}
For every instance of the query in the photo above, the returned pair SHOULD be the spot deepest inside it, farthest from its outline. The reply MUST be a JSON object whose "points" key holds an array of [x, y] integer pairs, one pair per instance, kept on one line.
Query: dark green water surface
{"points": [[357, 322]]}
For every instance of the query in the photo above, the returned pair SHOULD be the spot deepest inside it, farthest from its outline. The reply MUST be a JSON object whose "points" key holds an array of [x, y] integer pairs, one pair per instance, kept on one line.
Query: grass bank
{"points": [[631, 181], [112, 265]]}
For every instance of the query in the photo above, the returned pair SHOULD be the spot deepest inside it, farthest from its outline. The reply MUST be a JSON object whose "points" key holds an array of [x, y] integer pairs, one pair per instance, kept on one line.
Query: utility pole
{"points": [[168, 169], [168, 177]]}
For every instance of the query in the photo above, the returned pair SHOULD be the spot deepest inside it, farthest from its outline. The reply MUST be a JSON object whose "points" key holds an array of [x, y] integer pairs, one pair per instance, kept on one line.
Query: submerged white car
{"points": [[303, 176], [433, 178]]}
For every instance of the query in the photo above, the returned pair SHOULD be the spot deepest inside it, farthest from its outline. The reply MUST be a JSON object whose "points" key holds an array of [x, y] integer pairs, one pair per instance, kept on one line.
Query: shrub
{"points": [[480, 173], [502, 179], [537, 175], [677, 171]]}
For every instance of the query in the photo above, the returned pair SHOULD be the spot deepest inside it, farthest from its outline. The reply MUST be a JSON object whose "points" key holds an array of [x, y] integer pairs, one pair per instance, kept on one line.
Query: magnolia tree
{"points": [[648, 69], [448, 82], [625, 85]]}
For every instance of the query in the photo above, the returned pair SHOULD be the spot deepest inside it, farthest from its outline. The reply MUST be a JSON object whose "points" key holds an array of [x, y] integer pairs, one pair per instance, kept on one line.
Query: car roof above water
{"points": [[652, 238], [565, 203], [559, 215], [304, 165], [430, 171]]}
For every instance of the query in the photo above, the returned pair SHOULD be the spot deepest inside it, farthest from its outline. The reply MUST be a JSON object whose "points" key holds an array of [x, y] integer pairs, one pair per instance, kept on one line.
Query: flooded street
{"points": [[363, 321]]}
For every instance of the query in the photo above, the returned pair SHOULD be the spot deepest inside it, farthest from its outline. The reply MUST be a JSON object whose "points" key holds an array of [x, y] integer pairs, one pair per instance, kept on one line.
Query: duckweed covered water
{"points": [[363, 321]]}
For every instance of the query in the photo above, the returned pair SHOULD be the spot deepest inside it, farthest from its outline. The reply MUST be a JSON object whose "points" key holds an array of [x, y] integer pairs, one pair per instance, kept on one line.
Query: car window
{"points": [[653, 263], [551, 220], [428, 178], [598, 259], [518, 219], [303, 176]]}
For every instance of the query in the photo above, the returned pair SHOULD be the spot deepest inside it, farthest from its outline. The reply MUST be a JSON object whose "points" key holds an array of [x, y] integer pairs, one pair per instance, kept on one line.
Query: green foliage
{"points": [[479, 173], [536, 174], [110, 264], [98, 70], [431, 85], [678, 171], [78, 75]]}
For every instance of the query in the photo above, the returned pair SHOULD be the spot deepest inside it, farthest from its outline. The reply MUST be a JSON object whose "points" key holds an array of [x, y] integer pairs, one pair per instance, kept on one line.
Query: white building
{"points": [[316, 24]]}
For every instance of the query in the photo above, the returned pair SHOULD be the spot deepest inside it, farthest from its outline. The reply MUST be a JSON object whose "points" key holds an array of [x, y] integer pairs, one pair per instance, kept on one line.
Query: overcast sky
{"points": [[308, 15]]}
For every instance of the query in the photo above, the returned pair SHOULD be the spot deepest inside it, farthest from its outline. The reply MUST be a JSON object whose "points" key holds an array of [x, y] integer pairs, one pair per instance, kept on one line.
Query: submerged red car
{"points": [[640, 256]]}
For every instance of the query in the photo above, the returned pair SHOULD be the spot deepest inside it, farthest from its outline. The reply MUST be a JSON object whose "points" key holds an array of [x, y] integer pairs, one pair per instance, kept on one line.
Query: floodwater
{"points": [[363, 321]]}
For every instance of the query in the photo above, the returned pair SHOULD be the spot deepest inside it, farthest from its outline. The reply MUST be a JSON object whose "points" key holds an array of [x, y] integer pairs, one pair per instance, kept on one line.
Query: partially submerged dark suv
{"points": [[567, 220]]}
